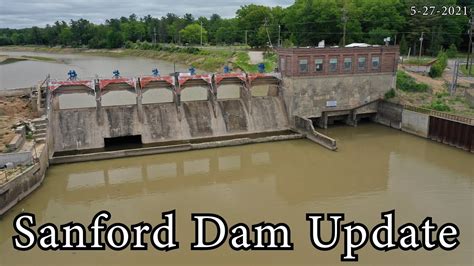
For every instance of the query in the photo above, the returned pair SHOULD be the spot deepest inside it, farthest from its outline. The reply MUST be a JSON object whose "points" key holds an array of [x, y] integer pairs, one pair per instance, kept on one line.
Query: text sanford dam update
{"points": [[262, 236]]}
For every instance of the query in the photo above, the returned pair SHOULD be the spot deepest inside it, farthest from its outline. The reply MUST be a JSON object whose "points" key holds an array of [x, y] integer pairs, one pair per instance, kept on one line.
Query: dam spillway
{"points": [[162, 123]]}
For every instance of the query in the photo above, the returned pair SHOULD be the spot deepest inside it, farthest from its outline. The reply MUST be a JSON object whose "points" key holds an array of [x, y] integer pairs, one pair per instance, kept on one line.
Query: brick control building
{"points": [[337, 61], [330, 84]]}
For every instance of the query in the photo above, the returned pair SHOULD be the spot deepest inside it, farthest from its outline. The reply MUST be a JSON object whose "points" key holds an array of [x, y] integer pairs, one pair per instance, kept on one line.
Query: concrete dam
{"points": [[171, 121], [190, 111]]}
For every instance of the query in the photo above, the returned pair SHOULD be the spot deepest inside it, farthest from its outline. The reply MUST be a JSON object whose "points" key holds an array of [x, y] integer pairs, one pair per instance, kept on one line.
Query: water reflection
{"points": [[196, 167], [261, 158], [160, 171], [229, 163], [85, 180], [124, 175]]}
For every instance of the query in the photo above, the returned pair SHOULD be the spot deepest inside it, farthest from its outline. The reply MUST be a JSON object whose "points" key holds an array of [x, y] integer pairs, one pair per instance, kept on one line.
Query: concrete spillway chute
{"points": [[151, 82], [186, 80], [108, 85], [264, 78], [230, 85], [158, 89], [72, 90], [71, 86], [230, 78]]}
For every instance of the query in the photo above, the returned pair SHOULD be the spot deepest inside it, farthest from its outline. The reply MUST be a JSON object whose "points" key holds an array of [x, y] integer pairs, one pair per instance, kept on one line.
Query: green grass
{"points": [[409, 84], [390, 94], [242, 61], [38, 58], [438, 105], [418, 61], [465, 71], [206, 60], [10, 60]]}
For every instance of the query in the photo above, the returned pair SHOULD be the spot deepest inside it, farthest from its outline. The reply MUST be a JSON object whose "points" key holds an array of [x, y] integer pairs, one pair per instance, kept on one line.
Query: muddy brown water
{"points": [[23, 74], [376, 169]]}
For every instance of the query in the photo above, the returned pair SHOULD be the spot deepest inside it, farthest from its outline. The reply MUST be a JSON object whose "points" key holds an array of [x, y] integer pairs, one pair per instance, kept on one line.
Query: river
{"points": [[27, 73], [376, 169]]}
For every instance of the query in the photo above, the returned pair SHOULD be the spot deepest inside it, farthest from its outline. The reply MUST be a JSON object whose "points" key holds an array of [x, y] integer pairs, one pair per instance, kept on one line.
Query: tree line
{"points": [[304, 23]]}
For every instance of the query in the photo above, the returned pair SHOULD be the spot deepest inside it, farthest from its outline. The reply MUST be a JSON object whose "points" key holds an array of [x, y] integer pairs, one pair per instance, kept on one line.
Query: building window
{"points": [[282, 64], [347, 64], [318, 65], [375, 63], [362, 63], [303, 65], [333, 65]]}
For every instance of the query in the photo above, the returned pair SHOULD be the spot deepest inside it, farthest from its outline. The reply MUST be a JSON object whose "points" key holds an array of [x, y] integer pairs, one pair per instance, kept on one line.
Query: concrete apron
{"points": [[105, 155]]}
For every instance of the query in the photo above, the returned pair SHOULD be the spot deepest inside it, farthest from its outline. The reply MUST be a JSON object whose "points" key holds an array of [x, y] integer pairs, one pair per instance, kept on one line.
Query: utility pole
{"points": [[201, 34], [344, 20], [246, 37], [421, 44], [154, 35], [279, 35], [470, 50], [268, 35]]}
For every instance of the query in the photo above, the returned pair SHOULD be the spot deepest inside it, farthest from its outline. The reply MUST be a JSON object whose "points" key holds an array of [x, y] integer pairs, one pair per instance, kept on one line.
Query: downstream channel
{"points": [[376, 169]]}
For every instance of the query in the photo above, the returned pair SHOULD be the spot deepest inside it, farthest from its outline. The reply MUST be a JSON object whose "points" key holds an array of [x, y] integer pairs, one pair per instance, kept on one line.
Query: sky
{"points": [[28, 13]]}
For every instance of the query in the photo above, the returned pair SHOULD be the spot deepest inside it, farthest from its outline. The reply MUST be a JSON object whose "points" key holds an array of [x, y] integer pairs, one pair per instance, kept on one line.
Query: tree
{"points": [[65, 36], [257, 21], [114, 39], [312, 21], [304, 23], [403, 45], [192, 34], [452, 51]]}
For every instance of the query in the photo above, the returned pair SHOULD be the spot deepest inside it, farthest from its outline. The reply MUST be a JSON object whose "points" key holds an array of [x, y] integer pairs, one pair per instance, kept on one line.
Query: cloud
{"points": [[27, 13]]}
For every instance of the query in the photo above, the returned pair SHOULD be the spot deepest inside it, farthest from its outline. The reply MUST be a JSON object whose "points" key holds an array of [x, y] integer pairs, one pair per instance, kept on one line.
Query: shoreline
{"points": [[208, 61]]}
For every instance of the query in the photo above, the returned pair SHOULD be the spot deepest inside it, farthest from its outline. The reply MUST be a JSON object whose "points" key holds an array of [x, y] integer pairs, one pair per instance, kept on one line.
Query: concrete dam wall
{"points": [[311, 96], [86, 128]]}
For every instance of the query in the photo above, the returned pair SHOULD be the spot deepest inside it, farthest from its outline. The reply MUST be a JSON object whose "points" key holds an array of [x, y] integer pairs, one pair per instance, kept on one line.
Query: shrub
{"points": [[407, 83], [440, 105], [390, 94], [436, 71], [440, 95], [452, 51], [437, 68]]}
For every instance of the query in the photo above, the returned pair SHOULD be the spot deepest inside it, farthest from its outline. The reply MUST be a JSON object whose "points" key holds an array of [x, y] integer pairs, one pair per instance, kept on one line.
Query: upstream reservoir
{"points": [[375, 169], [27, 73]]}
